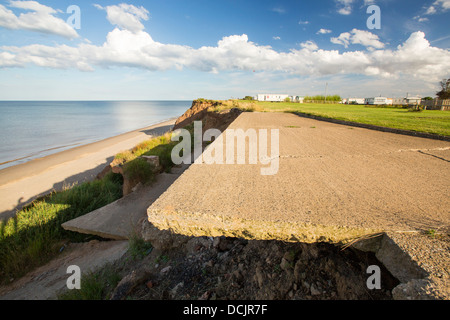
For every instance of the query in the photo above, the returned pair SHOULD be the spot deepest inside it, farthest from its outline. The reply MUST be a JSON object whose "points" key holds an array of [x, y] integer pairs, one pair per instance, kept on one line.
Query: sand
{"points": [[21, 184]]}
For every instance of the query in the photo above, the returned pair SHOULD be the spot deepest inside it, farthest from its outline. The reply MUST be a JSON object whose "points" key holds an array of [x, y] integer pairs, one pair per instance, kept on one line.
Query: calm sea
{"points": [[33, 129]]}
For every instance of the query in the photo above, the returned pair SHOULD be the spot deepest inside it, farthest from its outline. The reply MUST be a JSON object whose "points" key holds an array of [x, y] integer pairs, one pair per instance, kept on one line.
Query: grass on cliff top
{"points": [[158, 146], [428, 121]]}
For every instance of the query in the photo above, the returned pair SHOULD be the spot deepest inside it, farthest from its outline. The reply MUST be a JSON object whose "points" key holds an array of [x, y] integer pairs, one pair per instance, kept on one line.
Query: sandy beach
{"points": [[21, 184]]}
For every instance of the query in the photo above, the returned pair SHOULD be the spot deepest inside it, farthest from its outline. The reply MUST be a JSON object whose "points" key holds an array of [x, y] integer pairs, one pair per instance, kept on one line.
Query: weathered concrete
{"points": [[334, 183], [122, 218], [420, 261]]}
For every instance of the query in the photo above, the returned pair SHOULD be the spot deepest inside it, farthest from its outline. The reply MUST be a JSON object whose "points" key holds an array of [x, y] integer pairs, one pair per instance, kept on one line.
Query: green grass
{"points": [[428, 121], [35, 235], [139, 170], [138, 247], [94, 286], [158, 146]]}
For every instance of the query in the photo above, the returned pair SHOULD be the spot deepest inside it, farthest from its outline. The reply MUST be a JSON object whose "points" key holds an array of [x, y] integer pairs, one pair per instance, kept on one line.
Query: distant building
{"points": [[272, 97], [398, 101], [413, 100], [409, 100], [354, 101], [378, 101], [298, 99]]}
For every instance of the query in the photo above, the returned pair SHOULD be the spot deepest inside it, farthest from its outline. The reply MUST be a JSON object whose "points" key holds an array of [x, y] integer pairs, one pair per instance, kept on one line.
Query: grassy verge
{"points": [[35, 234], [159, 146], [428, 121], [100, 285]]}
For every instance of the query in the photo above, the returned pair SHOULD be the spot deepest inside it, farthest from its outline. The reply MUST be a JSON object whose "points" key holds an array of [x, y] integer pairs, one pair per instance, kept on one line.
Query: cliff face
{"points": [[203, 110], [197, 111]]}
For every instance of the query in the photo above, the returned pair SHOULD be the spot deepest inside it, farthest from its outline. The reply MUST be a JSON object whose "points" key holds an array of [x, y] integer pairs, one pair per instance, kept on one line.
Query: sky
{"points": [[188, 49]]}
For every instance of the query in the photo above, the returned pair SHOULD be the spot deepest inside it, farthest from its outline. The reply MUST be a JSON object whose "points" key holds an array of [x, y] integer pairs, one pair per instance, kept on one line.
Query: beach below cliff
{"points": [[21, 184]]}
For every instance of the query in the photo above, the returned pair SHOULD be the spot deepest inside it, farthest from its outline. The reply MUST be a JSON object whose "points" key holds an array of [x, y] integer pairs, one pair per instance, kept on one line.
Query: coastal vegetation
{"points": [[428, 121], [94, 285], [160, 146], [322, 98], [34, 236]]}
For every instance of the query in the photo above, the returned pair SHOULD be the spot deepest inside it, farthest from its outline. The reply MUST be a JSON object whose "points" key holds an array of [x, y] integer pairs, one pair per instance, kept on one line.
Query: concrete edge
{"points": [[416, 283], [200, 224], [98, 233], [374, 127]]}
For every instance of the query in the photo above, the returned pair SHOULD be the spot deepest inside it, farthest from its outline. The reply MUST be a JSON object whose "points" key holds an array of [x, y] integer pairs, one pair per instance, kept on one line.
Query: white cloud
{"points": [[279, 10], [126, 16], [420, 19], [366, 39], [343, 39], [415, 57], [431, 10], [310, 45], [356, 36], [40, 19], [276, 38], [443, 5], [345, 6], [323, 31], [130, 45], [303, 22]]}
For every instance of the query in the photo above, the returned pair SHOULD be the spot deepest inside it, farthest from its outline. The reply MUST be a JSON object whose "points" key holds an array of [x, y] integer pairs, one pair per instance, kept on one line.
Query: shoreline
{"points": [[21, 184]]}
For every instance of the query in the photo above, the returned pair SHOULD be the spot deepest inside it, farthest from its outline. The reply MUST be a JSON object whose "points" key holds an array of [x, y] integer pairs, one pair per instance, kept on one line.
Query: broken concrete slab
{"points": [[333, 184], [420, 261], [122, 218]]}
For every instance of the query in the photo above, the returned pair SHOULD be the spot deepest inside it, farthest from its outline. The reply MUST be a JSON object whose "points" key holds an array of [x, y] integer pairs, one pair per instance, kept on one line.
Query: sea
{"points": [[34, 129]]}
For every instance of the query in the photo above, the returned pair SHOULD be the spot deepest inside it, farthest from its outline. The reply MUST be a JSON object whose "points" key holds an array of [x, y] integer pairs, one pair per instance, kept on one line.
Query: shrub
{"points": [[417, 108], [138, 170], [138, 247]]}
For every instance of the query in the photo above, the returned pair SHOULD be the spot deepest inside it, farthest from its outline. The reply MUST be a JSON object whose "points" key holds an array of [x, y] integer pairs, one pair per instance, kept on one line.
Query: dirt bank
{"points": [[219, 268]]}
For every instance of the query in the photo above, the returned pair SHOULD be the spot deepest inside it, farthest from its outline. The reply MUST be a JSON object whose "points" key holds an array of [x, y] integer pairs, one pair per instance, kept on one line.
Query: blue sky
{"points": [[168, 50]]}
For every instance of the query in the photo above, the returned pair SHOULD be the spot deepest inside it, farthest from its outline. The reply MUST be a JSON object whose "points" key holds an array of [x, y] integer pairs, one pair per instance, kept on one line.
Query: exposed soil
{"points": [[228, 268]]}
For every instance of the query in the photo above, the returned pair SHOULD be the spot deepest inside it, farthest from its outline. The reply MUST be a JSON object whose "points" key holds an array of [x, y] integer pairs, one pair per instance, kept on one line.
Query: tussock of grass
{"points": [[139, 170], [124, 156], [94, 286], [160, 146], [35, 234], [138, 247]]}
